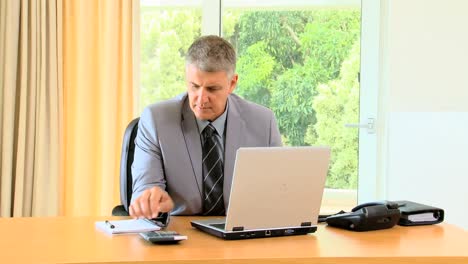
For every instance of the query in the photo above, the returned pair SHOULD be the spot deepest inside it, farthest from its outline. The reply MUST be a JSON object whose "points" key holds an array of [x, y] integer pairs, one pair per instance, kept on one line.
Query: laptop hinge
{"points": [[238, 228], [306, 224]]}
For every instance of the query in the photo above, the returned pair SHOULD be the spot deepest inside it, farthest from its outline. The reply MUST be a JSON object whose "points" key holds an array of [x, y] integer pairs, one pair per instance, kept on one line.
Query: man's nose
{"points": [[202, 95]]}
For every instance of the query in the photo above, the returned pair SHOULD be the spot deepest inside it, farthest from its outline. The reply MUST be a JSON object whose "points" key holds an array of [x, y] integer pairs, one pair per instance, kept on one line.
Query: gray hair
{"points": [[212, 54]]}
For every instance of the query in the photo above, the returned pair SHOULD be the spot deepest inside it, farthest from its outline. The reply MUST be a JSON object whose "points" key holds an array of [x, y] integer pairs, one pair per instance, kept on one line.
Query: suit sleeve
{"points": [[147, 167], [275, 136]]}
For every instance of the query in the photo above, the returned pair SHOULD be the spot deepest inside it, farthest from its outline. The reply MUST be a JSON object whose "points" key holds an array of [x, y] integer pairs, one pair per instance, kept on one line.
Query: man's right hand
{"points": [[150, 203]]}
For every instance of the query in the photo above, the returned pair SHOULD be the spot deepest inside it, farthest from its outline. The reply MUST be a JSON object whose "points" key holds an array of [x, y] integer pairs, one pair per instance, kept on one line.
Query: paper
{"points": [[423, 217], [127, 226]]}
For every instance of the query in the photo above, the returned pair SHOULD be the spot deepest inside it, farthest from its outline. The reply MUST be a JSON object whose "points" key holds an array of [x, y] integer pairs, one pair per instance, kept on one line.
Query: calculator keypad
{"points": [[163, 236]]}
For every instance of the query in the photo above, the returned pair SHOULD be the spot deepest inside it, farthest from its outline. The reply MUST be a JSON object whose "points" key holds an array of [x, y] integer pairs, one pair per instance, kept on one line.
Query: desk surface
{"points": [[76, 240]]}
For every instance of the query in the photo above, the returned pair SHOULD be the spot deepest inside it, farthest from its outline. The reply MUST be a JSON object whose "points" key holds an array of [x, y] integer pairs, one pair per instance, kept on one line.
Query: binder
{"points": [[413, 214]]}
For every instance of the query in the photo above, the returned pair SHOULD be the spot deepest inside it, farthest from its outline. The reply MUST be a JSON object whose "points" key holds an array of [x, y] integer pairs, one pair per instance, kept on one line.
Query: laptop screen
{"points": [[277, 187]]}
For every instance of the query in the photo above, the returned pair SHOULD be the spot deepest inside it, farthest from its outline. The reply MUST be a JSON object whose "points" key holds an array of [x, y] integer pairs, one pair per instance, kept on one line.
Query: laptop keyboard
{"points": [[220, 226]]}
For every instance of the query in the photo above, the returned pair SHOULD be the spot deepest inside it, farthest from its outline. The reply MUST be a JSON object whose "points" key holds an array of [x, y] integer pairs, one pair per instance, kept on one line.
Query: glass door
{"points": [[302, 60]]}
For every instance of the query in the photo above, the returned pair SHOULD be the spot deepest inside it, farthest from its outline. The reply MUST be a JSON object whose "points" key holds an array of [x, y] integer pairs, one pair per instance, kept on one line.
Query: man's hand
{"points": [[150, 203]]}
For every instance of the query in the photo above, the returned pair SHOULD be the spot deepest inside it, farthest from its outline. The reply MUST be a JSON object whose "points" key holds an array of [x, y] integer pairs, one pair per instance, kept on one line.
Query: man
{"points": [[185, 147]]}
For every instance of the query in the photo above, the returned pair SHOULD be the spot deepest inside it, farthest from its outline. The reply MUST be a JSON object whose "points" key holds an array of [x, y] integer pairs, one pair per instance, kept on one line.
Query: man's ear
{"points": [[233, 84]]}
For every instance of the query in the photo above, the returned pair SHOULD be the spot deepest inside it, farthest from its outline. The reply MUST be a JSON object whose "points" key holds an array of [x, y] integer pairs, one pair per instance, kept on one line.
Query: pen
{"points": [[109, 224]]}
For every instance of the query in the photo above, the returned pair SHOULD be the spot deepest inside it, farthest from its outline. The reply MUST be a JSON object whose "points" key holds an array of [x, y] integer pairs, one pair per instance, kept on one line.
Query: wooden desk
{"points": [[75, 240]]}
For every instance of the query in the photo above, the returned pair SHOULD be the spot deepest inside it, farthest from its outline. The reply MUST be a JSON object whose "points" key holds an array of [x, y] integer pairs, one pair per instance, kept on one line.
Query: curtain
{"points": [[98, 101], [30, 107]]}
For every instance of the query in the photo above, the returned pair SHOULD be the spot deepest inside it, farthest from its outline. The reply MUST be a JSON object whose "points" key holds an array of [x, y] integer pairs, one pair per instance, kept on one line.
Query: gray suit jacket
{"points": [[168, 151]]}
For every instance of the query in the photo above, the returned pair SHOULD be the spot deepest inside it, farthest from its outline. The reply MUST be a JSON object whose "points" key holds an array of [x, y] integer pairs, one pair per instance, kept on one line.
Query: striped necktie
{"points": [[213, 173]]}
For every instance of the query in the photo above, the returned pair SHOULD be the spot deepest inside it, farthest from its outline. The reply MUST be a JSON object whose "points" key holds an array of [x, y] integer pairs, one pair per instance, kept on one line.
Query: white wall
{"points": [[425, 118]]}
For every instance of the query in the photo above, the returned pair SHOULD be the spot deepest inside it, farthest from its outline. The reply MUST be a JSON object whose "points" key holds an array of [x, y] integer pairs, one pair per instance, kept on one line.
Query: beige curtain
{"points": [[98, 101], [30, 107]]}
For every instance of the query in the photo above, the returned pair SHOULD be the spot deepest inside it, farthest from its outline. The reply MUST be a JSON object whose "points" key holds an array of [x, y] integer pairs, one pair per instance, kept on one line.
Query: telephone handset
{"points": [[388, 204], [367, 216]]}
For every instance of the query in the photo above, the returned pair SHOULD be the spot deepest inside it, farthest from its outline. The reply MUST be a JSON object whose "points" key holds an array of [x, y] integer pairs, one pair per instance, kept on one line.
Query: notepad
{"points": [[127, 226]]}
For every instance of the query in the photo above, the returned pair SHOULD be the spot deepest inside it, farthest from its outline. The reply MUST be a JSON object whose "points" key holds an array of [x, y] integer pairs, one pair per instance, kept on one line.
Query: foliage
{"points": [[292, 103], [308, 47], [290, 61], [278, 29], [337, 103], [255, 71], [166, 36]]}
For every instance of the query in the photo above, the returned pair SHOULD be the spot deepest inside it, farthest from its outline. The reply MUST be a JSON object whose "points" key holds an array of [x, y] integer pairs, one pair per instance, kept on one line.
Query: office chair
{"points": [[126, 160]]}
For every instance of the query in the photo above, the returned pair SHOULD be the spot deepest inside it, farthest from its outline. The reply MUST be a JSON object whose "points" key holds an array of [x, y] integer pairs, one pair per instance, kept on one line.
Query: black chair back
{"points": [[126, 160]]}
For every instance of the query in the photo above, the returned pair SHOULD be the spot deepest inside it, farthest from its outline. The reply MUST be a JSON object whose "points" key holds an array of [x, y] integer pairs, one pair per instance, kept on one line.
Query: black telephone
{"points": [[367, 216]]}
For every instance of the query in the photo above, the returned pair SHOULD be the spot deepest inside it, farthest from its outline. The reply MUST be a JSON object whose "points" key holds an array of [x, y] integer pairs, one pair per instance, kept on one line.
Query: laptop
{"points": [[276, 191]]}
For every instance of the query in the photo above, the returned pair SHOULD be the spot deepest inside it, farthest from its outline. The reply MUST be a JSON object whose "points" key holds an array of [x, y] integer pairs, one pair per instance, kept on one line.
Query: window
{"points": [[299, 58], [303, 63], [166, 34]]}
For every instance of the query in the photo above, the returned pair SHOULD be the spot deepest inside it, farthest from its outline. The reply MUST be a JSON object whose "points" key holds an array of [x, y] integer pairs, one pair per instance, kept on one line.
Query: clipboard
{"points": [[128, 226], [131, 226]]}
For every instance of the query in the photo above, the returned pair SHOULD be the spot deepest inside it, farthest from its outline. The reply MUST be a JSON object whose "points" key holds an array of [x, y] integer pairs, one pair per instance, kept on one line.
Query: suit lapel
{"points": [[193, 143], [234, 127]]}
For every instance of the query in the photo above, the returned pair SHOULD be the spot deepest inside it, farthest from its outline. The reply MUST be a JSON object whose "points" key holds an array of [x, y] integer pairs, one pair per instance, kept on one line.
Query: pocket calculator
{"points": [[163, 237]]}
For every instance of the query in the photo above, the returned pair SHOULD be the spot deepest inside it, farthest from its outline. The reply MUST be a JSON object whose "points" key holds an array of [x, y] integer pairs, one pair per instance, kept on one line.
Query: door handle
{"points": [[370, 125]]}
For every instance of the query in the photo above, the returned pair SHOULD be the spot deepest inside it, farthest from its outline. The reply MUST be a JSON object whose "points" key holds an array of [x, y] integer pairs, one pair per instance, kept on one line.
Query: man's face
{"points": [[208, 91]]}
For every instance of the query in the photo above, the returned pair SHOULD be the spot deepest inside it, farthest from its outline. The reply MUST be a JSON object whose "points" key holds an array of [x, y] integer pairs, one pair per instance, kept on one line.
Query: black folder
{"points": [[413, 213]]}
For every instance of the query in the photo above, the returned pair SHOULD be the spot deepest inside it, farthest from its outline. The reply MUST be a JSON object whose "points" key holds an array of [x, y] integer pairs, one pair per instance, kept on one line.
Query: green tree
{"points": [[166, 36], [292, 102], [324, 44], [337, 103], [255, 70], [278, 29]]}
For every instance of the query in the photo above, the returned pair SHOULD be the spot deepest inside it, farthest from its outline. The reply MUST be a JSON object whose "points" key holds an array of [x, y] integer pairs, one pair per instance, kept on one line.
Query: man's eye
{"points": [[214, 88]]}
